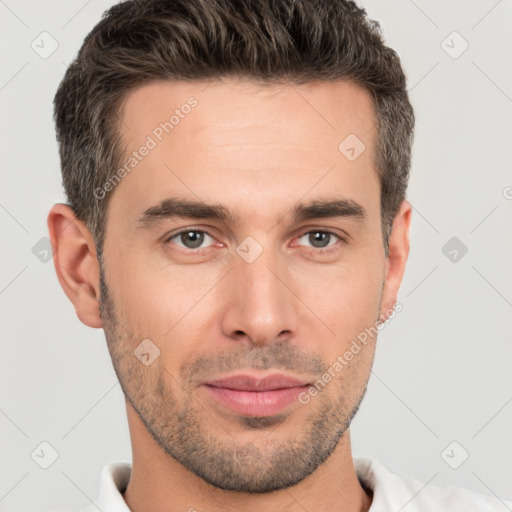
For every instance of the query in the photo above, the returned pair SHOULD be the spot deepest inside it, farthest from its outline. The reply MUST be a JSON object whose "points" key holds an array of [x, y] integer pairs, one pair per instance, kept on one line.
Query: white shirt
{"points": [[391, 492]]}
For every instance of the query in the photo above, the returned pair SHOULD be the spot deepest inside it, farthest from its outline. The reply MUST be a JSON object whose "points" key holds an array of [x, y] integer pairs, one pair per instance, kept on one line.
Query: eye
{"points": [[194, 239], [190, 238], [320, 239]]}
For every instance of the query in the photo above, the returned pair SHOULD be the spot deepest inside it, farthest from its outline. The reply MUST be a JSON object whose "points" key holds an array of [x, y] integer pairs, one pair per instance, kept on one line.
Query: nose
{"points": [[260, 305]]}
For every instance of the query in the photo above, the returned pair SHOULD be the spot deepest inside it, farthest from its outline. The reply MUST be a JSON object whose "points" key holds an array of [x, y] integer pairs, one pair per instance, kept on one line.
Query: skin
{"points": [[257, 150]]}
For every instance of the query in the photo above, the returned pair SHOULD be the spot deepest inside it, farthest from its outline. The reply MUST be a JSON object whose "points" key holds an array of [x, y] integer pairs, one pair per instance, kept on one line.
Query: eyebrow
{"points": [[176, 207]]}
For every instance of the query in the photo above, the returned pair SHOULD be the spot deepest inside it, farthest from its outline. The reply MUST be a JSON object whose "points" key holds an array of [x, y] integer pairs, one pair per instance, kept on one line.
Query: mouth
{"points": [[249, 395]]}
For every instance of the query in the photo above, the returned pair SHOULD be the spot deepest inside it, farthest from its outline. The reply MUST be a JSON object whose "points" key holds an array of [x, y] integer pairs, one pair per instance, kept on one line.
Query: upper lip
{"points": [[245, 382]]}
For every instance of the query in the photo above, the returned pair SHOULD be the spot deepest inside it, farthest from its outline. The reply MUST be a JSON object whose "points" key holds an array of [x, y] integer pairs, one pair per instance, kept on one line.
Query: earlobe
{"points": [[76, 263], [397, 258]]}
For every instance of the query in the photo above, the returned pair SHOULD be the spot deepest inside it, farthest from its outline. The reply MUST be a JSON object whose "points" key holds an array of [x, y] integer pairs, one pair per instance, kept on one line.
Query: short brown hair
{"points": [[299, 41]]}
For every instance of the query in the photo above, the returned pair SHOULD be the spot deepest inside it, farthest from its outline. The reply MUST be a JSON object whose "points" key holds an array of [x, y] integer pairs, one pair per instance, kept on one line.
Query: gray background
{"points": [[442, 370]]}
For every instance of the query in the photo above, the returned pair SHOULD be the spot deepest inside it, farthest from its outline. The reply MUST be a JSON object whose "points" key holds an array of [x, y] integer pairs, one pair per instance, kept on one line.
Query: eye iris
{"points": [[319, 236], [192, 239]]}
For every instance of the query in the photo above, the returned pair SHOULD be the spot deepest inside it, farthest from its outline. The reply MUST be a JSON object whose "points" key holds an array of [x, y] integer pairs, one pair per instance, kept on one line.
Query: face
{"points": [[245, 302]]}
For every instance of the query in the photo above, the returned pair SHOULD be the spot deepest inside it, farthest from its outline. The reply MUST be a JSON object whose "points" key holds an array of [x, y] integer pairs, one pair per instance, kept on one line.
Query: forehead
{"points": [[225, 110], [239, 139]]}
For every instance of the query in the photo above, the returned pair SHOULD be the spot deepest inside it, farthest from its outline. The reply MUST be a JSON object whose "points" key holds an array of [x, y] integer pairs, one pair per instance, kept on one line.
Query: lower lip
{"points": [[256, 403]]}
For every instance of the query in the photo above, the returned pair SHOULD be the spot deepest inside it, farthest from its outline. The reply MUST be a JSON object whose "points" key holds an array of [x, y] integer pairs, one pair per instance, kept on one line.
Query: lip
{"points": [[248, 395], [247, 382]]}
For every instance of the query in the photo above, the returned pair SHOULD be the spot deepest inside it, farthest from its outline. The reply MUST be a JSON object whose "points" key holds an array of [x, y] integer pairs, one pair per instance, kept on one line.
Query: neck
{"points": [[158, 482]]}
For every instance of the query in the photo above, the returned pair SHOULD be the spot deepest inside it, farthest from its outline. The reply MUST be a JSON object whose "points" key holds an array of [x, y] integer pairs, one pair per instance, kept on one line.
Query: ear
{"points": [[397, 258], [76, 263]]}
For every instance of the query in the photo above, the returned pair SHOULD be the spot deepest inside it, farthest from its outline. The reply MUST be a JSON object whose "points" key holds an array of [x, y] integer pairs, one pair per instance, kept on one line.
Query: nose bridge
{"points": [[262, 306], [259, 278]]}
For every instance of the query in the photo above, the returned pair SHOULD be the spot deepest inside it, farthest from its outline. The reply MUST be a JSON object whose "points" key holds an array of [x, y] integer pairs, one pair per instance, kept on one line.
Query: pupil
{"points": [[322, 238], [194, 237]]}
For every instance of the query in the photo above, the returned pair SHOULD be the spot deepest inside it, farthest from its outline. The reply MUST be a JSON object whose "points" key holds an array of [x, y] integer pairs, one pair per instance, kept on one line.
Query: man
{"points": [[236, 175]]}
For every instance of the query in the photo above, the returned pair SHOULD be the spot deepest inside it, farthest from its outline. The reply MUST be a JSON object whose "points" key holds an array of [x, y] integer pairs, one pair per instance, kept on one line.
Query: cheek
{"points": [[170, 308], [346, 296], [158, 300]]}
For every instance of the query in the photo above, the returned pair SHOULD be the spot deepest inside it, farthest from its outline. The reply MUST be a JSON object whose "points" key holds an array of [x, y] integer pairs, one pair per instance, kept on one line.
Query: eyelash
{"points": [[318, 250]]}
